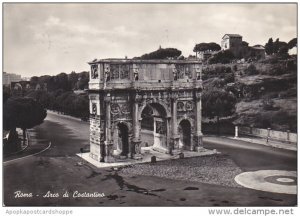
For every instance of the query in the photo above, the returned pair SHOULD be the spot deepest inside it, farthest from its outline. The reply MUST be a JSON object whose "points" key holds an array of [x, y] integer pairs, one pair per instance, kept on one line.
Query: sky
{"points": [[47, 39]]}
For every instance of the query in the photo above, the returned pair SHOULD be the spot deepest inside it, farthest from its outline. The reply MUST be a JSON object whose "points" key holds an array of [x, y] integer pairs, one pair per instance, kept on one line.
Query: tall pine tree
{"points": [[269, 46]]}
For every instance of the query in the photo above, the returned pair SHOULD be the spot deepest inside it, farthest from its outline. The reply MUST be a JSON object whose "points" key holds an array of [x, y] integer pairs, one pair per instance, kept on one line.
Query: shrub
{"points": [[223, 57], [235, 67], [268, 105], [263, 120], [251, 70], [292, 92], [276, 70], [229, 78], [215, 72]]}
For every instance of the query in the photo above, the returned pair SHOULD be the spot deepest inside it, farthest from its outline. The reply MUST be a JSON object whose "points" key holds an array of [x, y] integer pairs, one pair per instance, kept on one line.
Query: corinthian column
{"points": [[108, 141], [198, 136], [135, 147], [174, 138]]}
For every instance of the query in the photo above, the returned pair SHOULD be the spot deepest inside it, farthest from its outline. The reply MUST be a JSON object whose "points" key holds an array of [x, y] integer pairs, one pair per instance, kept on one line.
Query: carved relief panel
{"points": [[186, 108], [94, 109], [120, 110], [119, 71], [183, 71], [94, 105], [94, 71], [160, 127]]}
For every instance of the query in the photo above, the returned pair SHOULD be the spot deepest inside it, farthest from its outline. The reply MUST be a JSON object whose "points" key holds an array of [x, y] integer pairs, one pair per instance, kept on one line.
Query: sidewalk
{"points": [[146, 154], [271, 143], [23, 143], [33, 147]]}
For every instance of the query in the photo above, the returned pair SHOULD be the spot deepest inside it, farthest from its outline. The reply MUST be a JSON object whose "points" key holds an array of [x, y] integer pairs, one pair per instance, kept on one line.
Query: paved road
{"points": [[250, 157], [56, 170]]}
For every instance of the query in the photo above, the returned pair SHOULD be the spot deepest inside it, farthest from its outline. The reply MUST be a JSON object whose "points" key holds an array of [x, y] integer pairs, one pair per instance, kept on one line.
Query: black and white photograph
{"points": [[149, 104]]}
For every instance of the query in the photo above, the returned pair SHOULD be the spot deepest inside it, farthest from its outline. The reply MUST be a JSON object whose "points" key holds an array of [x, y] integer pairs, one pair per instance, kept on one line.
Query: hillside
{"points": [[266, 91]]}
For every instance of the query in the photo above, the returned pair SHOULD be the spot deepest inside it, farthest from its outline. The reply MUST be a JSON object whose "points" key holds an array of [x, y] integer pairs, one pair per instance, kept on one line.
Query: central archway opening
{"points": [[184, 130], [154, 126]]}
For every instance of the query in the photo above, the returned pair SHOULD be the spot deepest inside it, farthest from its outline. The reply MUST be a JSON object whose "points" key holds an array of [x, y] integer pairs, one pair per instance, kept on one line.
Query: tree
{"points": [[22, 113], [218, 103], [73, 79], [276, 46], [62, 82], [162, 54], [283, 50], [42, 97], [6, 93], [245, 44], [34, 80], [83, 80], [202, 47], [223, 57], [269, 47], [292, 43]]}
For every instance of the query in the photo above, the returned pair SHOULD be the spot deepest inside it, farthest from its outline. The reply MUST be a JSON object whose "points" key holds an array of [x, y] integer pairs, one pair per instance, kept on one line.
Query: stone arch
{"points": [[158, 137], [128, 124], [122, 133], [192, 122], [18, 86], [166, 108], [185, 132]]}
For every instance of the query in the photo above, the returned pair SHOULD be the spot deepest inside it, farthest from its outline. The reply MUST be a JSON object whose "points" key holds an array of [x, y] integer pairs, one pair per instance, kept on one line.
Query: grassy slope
{"points": [[268, 94]]}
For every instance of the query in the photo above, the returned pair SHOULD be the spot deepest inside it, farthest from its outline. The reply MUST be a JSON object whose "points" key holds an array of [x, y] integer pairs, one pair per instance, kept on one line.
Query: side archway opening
{"points": [[123, 141], [185, 133]]}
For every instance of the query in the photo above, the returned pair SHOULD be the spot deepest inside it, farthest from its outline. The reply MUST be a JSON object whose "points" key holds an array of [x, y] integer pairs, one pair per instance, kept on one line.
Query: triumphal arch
{"points": [[144, 103]]}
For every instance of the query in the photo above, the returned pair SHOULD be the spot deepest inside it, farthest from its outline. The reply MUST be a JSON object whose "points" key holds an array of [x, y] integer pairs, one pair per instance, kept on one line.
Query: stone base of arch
{"points": [[198, 142], [174, 144], [108, 158]]}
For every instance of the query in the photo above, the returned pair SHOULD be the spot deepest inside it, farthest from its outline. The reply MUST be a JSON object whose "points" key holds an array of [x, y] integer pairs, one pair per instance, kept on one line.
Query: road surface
{"points": [[43, 179]]}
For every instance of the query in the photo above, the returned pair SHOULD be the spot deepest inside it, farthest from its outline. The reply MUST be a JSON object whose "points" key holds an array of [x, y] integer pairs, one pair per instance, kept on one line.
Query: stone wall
{"points": [[272, 134]]}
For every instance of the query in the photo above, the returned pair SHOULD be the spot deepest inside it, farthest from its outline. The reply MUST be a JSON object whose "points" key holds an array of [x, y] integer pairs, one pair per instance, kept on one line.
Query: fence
{"points": [[268, 133]]}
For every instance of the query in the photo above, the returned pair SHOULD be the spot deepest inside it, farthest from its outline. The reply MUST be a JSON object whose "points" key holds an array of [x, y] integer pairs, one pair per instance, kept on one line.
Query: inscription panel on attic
{"points": [[138, 103]]}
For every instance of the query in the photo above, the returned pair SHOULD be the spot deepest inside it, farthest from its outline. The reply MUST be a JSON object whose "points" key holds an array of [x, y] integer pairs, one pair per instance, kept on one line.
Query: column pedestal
{"points": [[174, 144], [198, 143], [109, 152], [136, 149], [102, 152]]}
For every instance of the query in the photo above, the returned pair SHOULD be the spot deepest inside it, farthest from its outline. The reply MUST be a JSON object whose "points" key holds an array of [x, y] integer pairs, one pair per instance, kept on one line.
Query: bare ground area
{"points": [[196, 169]]}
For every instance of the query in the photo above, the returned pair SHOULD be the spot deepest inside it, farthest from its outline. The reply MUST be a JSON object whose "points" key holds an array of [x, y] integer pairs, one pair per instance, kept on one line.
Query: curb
{"points": [[6, 162], [17, 152]]}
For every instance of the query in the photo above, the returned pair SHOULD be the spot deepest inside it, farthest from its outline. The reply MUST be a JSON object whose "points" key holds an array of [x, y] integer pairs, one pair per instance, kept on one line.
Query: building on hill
{"points": [[18, 88], [257, 51], [240, 48], [21, 87], [8, 78], [232, 42]]}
